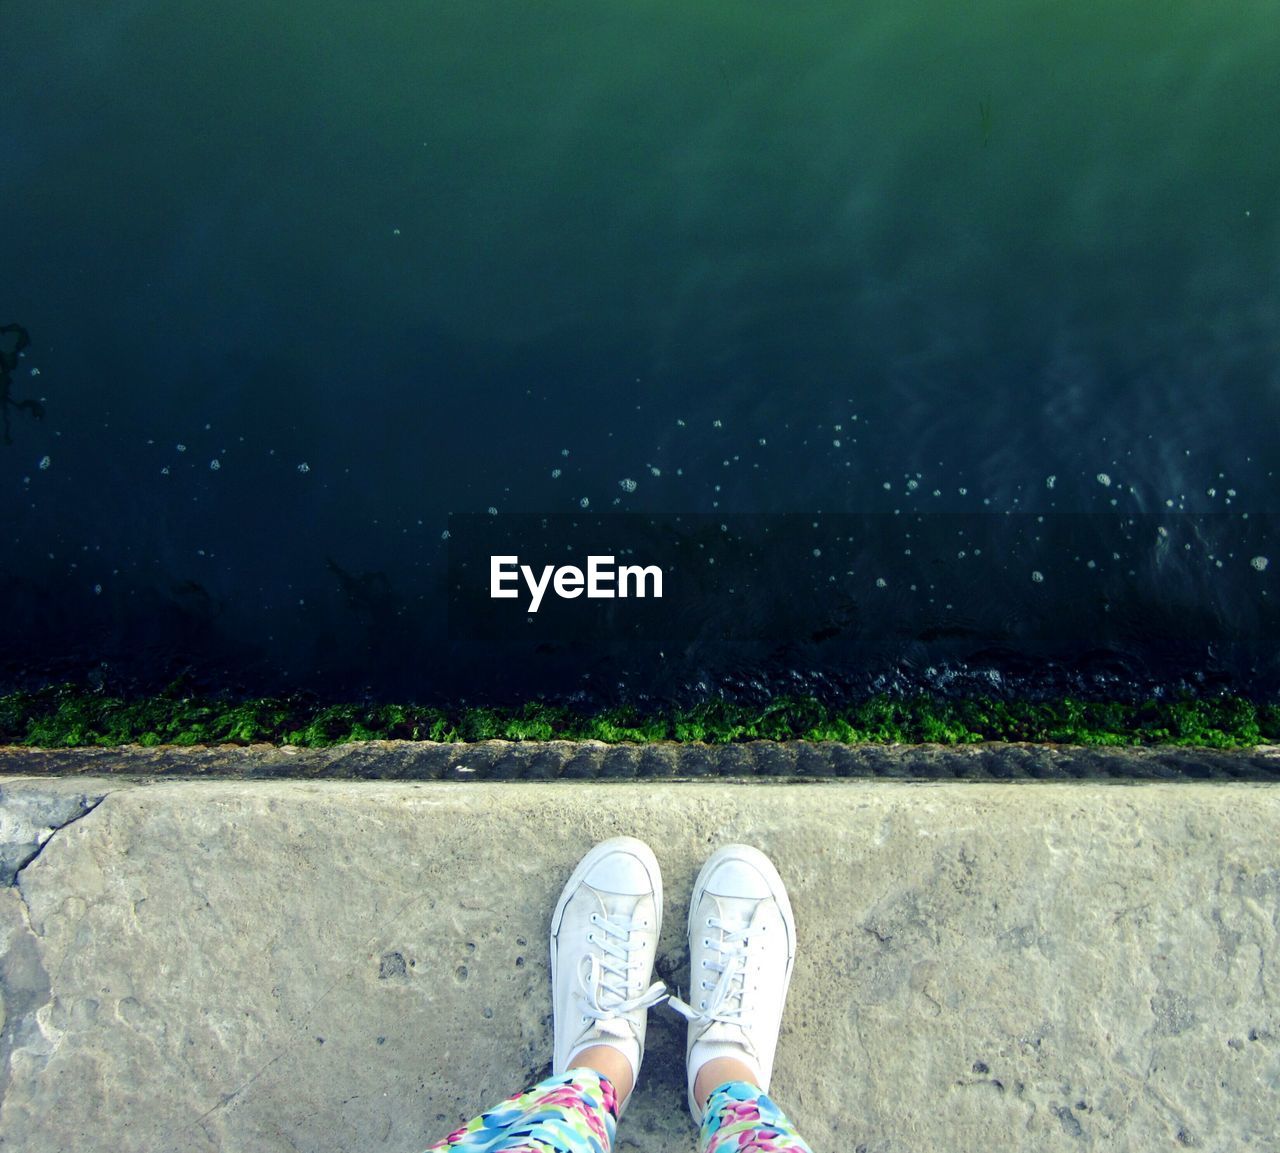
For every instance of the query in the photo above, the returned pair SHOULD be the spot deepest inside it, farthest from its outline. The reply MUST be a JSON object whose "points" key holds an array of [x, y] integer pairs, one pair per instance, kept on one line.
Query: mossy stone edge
{"points": [[69, 717]]}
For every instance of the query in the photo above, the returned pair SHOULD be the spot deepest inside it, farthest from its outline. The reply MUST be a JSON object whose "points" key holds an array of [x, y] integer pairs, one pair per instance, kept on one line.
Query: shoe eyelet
{"points": [[702, 1004]]}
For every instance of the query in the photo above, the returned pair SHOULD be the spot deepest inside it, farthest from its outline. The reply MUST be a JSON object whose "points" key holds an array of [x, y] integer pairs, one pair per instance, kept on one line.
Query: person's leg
{"points": [[604, 937], [573, 1112], [740, 1116], [742, 943]]}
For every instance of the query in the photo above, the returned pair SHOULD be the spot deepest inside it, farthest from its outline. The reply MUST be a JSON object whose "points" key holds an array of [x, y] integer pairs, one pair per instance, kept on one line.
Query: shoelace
{"points": [[727, 995], [612, 974]]}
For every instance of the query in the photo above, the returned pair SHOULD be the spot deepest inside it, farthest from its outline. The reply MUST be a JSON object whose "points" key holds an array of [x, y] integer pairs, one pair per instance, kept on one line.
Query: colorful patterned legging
{"points": [[577, 1111]]}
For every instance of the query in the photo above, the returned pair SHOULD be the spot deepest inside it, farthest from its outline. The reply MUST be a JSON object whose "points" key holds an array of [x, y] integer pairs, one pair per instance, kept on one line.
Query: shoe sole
{"points": [[777, 890], [625, 844]]}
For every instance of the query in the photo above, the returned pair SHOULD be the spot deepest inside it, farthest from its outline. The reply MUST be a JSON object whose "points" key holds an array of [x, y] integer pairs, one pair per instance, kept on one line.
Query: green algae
{"points": [[69, 717]]}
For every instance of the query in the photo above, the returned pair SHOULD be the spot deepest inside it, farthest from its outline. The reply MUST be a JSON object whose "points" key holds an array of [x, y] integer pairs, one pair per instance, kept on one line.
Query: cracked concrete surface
{"points": [[31, 814], [326, 966]]}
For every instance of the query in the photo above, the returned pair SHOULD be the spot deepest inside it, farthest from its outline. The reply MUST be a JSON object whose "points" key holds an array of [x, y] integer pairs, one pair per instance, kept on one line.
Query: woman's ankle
{"points": [[716, 1072], [608, 1062]]}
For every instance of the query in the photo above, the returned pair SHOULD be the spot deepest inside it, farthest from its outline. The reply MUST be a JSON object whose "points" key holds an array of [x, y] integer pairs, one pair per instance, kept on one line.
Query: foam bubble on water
{"points": [[555, 472], [817, 552], [492, 510], [445, 535], [97, 590], [304, 467], [912, 485], [1037, 576], [1260, 563], [1050, 481], [1104, 480], [215, 464], [762, 442], [585, 502], [164, 471], [627, 484], [835, 444], [881, 583], [45, 462], [654, 471], [564, 452], [717, 424], [181, 447]]}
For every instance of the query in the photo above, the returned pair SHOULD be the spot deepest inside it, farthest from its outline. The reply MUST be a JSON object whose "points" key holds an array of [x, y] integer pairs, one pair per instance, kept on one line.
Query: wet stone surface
{"points": [[594, 760]]}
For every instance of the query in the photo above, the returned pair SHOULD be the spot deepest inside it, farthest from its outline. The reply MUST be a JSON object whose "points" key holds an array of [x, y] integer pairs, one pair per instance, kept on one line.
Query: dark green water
{"points": [[817, 259]]}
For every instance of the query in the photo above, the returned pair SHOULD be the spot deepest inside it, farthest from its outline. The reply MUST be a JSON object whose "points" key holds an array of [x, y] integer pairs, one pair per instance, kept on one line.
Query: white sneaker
{"points": [[742, 948], [604, 937]]}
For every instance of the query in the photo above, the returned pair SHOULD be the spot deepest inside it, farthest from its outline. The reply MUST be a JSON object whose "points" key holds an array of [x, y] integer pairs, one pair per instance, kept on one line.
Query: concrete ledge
{"points": [[262, 966]]}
